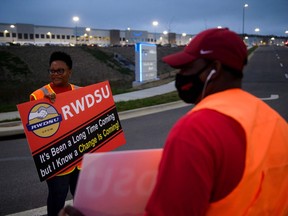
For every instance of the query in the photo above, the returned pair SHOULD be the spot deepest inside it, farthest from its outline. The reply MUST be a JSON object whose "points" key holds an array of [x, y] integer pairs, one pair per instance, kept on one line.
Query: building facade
{"points": [[29, 34]]}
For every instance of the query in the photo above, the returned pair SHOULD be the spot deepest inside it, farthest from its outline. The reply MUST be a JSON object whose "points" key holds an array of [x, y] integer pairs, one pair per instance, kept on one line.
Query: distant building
{"points": [[29, 34]]}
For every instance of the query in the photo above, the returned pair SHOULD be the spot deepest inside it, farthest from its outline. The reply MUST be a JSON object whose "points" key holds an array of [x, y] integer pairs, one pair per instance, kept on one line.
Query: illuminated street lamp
{"points": [[243, 22], [165, 33], [184, 37], [49, 35], [155, 24], [88, 30], [76, 20], [257, 30], [6, 32], [12, 27]]}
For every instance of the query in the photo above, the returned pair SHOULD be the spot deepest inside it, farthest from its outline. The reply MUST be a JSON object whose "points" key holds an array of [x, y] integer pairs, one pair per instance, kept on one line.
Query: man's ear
{"points": [[216, 65], [216, 69]]}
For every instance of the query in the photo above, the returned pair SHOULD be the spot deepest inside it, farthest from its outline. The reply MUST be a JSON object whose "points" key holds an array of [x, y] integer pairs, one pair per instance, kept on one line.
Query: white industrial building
{"points": [[28, 34]]}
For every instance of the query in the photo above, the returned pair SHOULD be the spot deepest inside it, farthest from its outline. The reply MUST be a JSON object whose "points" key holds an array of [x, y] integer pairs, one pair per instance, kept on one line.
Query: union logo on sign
{"points": [[44, 120]]}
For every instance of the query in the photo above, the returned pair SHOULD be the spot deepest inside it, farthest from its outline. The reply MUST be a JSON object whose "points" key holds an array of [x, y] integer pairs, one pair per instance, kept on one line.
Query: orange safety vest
{"points": [[263, 189], [39, 94]]}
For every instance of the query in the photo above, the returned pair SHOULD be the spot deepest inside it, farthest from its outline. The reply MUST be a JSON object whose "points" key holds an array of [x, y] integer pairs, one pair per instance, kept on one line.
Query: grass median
{"points": [[145, 102]]}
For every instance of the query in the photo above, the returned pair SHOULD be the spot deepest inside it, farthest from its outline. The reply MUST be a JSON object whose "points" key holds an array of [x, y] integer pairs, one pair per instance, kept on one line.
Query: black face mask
{"points": [[189, 87]]}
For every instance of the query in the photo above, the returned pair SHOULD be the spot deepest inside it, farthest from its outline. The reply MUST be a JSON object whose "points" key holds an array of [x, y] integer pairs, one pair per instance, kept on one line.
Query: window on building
{"points": [[8, 34], [14, 35], [42, 36], [63, 37], [68, 37], [31, 36], [25, 36], [36, 35], [1, 34], [20, 36], [53, 36], [58, 36], [47, 36]]}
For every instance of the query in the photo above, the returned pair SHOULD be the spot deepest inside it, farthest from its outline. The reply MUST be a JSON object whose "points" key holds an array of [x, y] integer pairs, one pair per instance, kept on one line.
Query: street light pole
{"points": [[76, 19], [257, 30], [155, 24], [183, 38], [165, 33], [12, 27], [243, 21], [88, 30]]}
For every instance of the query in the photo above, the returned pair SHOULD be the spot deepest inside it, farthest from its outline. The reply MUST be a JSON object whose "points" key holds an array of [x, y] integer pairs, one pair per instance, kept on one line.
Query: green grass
{"points": [[145, 102]]}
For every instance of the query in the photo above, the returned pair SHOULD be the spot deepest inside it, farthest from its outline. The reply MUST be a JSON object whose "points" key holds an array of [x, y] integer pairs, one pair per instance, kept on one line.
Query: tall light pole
{"points": [[76, 20], [257, 30], [49, 36], [243, 21], [155, 24], [12, 27], [165, 38], [183, 37], [88, 30]]}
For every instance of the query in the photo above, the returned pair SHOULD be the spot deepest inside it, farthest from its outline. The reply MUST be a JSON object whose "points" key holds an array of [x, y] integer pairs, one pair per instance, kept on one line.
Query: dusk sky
{"points": [[189, 16]]}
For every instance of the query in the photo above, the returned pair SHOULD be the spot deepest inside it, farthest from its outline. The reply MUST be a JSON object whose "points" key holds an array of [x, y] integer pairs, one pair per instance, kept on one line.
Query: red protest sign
{"points": [[81, 121]]}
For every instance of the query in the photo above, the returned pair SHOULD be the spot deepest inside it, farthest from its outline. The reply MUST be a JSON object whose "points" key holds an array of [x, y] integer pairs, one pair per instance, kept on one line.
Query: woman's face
{"points": [[59, 73]]}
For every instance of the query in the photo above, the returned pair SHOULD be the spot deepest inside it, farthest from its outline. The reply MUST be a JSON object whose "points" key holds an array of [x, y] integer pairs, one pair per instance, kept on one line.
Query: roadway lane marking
{"points": [[272, 97], [281, 65], [286, 75]]}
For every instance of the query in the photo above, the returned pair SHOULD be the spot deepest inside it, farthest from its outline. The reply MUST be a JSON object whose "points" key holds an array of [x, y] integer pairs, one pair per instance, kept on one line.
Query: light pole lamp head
{"points": [[155, 23], [75, 18]]}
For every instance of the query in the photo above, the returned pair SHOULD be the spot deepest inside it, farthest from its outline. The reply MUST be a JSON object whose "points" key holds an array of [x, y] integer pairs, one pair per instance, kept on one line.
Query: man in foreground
{"points": [[229, 154]]}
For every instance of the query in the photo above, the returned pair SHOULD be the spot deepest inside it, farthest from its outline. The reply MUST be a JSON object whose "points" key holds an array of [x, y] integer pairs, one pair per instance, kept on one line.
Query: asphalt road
{"points": [[20, 189]]}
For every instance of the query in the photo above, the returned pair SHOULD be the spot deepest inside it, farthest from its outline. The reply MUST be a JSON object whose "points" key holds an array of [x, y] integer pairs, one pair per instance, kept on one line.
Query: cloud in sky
{"points": [[189, 16]]}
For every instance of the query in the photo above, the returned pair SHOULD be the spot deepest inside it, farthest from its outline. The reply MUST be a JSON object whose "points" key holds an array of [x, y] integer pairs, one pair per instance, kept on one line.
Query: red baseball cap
{"points": [[212, 44]]}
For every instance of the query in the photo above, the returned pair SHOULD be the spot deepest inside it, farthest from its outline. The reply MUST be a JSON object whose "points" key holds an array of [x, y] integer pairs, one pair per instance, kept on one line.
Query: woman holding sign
{"points": [[60, 71]]}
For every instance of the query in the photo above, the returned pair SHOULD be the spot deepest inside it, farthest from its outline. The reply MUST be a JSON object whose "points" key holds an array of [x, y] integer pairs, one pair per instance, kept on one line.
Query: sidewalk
{"points": [[16, 127]]}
